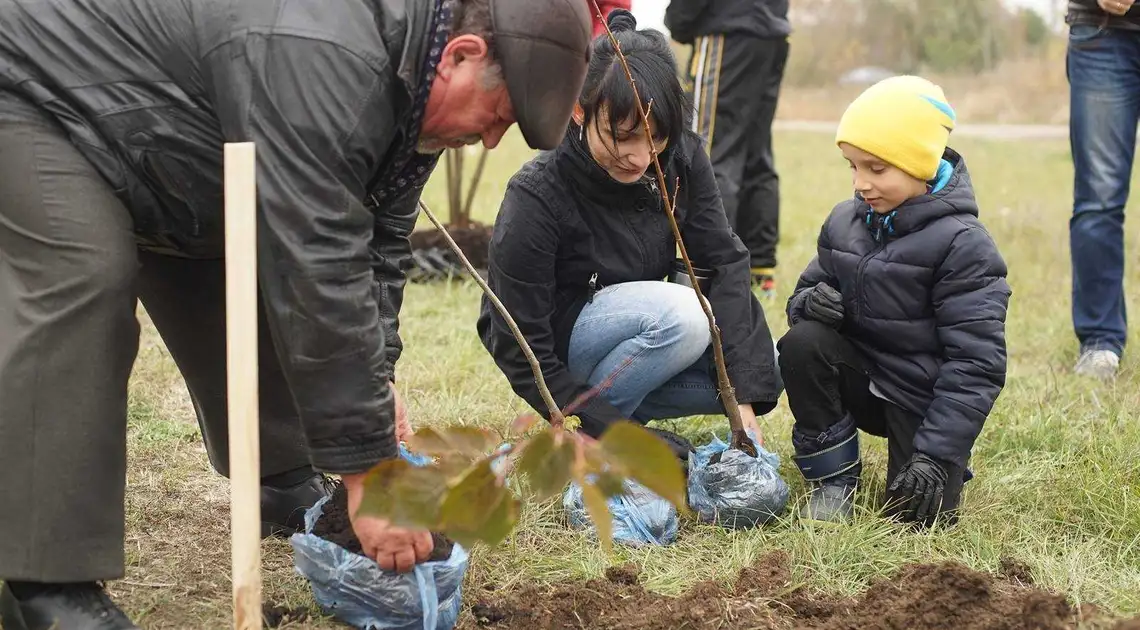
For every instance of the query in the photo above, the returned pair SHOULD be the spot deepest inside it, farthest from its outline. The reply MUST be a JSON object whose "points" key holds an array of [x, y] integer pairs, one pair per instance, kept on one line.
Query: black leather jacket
{"points": [[149, 90]]}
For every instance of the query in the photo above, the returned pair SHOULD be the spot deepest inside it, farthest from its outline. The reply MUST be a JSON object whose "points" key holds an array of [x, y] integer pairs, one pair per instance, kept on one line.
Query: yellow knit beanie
{"points": [[904, 121]]}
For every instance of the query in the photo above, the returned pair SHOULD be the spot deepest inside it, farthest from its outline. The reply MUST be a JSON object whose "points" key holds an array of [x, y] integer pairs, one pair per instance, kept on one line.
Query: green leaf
{"points": [[599, 512], [470, 441], [609, 484], [647, 460], [546, 460], [407, 495], [479, 508]]}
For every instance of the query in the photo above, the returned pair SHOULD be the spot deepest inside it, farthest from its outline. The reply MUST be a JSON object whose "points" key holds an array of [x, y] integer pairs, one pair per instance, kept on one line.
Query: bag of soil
{"points": [[733, 489], [640, 517], [355, 590]]}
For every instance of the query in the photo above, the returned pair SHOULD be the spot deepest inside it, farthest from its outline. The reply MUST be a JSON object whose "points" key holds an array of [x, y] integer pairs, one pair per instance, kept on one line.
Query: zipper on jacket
{"points": [[593, 288], [859, 277]]}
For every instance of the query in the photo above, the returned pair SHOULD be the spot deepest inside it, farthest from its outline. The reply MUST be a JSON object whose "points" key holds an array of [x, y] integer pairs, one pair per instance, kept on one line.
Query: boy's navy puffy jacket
{"points": [[689, 19], [925, 307]]}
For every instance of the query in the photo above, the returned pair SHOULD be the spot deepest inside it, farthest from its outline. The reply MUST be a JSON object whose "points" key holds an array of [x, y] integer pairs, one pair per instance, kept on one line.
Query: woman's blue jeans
{"points": [[651, 340], [1103, 67]]}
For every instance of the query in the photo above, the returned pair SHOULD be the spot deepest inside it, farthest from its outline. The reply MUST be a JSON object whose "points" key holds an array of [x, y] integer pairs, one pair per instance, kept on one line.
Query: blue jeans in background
{"points": [[653, 338], [1103, 67]]}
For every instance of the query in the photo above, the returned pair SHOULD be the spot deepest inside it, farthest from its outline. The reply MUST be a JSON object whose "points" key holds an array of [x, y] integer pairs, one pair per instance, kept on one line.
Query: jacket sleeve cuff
{"points": [[354, 455]]}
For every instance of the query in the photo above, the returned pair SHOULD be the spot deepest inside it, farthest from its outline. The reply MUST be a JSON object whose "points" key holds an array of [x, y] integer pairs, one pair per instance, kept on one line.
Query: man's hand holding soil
{"points": [[393, 548]]}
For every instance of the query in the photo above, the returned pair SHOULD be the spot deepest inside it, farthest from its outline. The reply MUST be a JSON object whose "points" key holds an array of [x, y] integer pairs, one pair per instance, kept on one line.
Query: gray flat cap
{"points": [[544, 49]]}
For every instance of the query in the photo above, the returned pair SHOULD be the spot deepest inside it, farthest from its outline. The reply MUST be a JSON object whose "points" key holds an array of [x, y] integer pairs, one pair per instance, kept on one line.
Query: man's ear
{"points": [[579, 114], [459, 49]]}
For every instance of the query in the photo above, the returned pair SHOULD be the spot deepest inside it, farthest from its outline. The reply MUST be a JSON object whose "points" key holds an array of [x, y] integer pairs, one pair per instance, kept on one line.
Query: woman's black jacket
{"points": [[563, 219]]}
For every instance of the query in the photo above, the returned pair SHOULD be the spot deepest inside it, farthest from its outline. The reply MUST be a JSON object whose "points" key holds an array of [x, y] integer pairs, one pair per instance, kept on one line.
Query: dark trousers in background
{"points": [[735, 86], [1103, 67], [70, 280], [826, 378]]}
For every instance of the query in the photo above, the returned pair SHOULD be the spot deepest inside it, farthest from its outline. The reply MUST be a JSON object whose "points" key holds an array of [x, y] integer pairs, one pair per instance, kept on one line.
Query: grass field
{"points": [[1058, 466]]}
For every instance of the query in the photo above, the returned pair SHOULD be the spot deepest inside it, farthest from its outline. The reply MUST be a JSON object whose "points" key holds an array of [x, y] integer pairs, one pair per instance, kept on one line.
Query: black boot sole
{"points": [[10, 615]]}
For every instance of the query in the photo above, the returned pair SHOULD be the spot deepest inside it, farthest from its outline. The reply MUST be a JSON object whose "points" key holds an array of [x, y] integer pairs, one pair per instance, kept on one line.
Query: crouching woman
{"points": [[581, 247]]}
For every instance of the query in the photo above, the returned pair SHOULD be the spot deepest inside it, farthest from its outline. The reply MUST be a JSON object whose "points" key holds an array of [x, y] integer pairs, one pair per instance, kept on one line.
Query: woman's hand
{"points": [[748, 419]]}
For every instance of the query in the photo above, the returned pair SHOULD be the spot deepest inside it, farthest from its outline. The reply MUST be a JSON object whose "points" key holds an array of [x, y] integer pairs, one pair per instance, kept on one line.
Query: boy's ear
{"points": [[579, 114]]}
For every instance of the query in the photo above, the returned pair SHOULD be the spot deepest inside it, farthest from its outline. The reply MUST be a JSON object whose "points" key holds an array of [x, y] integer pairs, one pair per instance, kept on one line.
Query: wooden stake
{"points": [[241, 381]]}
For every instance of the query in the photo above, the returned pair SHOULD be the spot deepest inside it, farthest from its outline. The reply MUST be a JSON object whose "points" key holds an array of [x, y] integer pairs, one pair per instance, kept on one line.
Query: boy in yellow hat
{"points": [[898, 323]]}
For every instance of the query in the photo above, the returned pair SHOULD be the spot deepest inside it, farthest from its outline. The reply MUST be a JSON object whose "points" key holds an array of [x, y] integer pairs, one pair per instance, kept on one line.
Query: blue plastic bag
{"points": [[640, 517], [739, 491], [358, 592]]}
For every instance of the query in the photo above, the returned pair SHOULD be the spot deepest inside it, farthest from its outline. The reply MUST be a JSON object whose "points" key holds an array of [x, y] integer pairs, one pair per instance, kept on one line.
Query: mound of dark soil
{"points": [[275, 615], [335, 527], [945, 596], [473, 240]]}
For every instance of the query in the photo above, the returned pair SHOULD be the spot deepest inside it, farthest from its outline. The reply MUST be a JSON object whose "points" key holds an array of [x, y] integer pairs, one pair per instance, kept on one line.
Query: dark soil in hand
{"points": [[335, 527], [945, 596], [474, 241]]}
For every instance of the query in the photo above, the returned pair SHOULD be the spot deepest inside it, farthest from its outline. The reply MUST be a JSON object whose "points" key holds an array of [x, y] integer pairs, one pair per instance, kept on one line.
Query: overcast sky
{"points": [[650, 13]]}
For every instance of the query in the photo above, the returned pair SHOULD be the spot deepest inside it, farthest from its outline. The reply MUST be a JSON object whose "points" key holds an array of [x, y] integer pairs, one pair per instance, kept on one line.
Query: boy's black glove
{"points": [[917, 490], [824, 305]]}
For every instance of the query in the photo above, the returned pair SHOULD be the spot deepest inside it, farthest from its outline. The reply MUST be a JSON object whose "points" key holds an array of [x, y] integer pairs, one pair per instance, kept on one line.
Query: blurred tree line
{"points": [[832, 37]]}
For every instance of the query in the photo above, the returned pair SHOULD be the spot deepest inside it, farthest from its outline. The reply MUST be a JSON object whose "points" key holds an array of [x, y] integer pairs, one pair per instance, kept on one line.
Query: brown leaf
{"points": [[647, 460], [523, 424], [472, 442]]}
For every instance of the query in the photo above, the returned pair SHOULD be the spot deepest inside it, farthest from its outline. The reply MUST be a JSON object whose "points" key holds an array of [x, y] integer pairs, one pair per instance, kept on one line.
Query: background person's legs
{"points": [[68, 340], [1103, 67], [736, 81], [758, 217], [187, 302]]}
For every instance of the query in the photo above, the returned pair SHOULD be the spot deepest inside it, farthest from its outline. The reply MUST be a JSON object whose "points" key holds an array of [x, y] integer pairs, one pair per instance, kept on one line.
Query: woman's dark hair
{"points": [[652, 65]]}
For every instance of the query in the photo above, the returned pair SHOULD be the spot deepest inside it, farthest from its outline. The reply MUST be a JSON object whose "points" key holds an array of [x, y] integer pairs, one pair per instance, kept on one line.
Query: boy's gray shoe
{"points": [[830, 463], [1097, 363], [830, 502]]}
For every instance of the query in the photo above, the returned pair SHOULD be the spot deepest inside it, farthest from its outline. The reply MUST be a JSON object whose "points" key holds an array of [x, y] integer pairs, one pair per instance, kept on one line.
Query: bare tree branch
{"points": [[556, 417], [740, 439]]}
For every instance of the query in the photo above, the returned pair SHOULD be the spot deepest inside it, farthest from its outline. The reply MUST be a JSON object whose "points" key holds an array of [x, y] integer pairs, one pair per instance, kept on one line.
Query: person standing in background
{"points": [[1103, 67], [739, 51]]}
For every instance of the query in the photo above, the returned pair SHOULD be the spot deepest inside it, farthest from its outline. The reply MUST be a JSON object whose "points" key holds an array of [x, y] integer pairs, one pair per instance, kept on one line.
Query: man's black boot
{"points": [[830, 462], [283, 508], [77, 606]]}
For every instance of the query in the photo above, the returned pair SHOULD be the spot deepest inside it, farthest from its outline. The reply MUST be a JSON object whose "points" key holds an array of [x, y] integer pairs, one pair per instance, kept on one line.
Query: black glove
{"points": [[824, 305], [917, 490]]}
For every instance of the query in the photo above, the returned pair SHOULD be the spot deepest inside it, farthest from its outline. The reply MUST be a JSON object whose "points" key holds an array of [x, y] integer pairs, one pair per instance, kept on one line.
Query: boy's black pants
{"points": [[736, 83], [826, 379]]}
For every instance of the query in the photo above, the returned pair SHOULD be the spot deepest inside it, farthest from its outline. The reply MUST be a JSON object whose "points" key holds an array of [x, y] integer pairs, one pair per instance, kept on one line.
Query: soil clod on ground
{"points": [[625, 574], [275, 616], [945, 596], [1015, 571], [335, 526]]}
